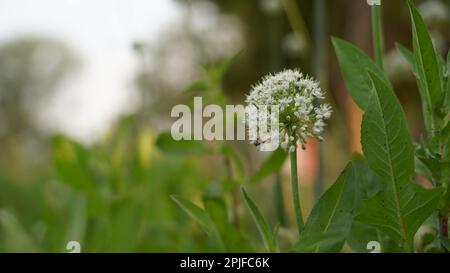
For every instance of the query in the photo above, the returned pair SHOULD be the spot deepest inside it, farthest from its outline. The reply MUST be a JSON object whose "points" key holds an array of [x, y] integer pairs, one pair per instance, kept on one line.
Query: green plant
{"points": [[376, 197], [402, 206]]}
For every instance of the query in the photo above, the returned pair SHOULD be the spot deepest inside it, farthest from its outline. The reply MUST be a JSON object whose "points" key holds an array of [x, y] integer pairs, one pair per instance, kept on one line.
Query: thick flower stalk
{"points": [[301, 113]]}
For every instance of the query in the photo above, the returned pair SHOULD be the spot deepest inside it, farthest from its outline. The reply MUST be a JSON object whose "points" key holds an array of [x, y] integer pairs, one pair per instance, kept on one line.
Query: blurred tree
{"points": [[30, 69]]}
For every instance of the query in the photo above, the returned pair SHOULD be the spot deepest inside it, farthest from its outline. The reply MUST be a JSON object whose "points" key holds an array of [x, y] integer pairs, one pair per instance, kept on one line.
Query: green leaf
{"points": [[217, 210], [167, 144], [426, 63], [362, 234], [409, 56], [263, 228], [314, 241], [402, 206], [77, 220], [203, 219], [334, 211], [385, 137], [276, 231], [353, 62], [271, 165], [234, 240], [72, 163]]}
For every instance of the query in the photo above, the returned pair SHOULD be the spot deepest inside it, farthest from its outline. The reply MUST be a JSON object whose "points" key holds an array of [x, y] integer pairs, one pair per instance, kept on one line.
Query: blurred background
{"points": [[86, 90]]}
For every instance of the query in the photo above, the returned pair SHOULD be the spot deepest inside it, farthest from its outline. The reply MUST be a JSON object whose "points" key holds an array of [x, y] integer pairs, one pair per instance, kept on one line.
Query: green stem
{"points": [[279, 200], [295, 192], [319, 34], [234, 194], [377, 35]]}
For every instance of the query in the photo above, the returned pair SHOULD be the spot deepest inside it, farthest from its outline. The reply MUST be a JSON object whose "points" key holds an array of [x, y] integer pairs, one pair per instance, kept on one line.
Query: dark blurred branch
{"points": [[319, 32]]}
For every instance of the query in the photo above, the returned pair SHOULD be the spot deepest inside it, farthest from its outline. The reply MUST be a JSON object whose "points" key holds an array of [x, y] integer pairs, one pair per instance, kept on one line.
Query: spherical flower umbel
{"points": [[302, 112]]}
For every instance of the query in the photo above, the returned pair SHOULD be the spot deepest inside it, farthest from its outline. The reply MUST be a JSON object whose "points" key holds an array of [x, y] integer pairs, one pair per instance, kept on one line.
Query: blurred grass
{"points": [[106, 196]]}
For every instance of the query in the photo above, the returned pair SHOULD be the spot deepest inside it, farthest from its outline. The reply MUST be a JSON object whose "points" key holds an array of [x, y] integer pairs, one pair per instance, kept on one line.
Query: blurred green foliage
{"points": [[135, 189]]}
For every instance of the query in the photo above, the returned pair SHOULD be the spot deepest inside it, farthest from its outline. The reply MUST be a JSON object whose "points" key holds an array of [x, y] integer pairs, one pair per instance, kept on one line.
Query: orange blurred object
{"points": [[308, 162]]}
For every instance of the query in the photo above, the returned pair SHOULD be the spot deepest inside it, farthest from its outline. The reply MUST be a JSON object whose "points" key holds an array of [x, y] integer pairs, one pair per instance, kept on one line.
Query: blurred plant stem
{"points": [[377, 35], [275, 62], [295, 192], [297, 22], [279, 200], [319, 31], [234, 194]]}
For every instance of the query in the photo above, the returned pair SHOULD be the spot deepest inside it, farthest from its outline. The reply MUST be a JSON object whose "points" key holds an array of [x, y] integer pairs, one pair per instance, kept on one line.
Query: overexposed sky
{"points": [[101, 33]]}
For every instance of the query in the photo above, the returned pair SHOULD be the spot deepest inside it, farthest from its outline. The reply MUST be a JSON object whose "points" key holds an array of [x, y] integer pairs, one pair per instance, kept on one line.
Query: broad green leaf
{"points": [[402, 206], [263, 228], [385, 137], [362, 234], [272, 164], [334, 212], [353, 63], [317, 240], [167, 144], [426, 63], [203, 219], [401, 220]]}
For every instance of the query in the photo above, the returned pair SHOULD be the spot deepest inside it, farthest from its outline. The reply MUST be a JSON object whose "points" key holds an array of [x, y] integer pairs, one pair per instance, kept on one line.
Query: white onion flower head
{"points": [[302, 111]]}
